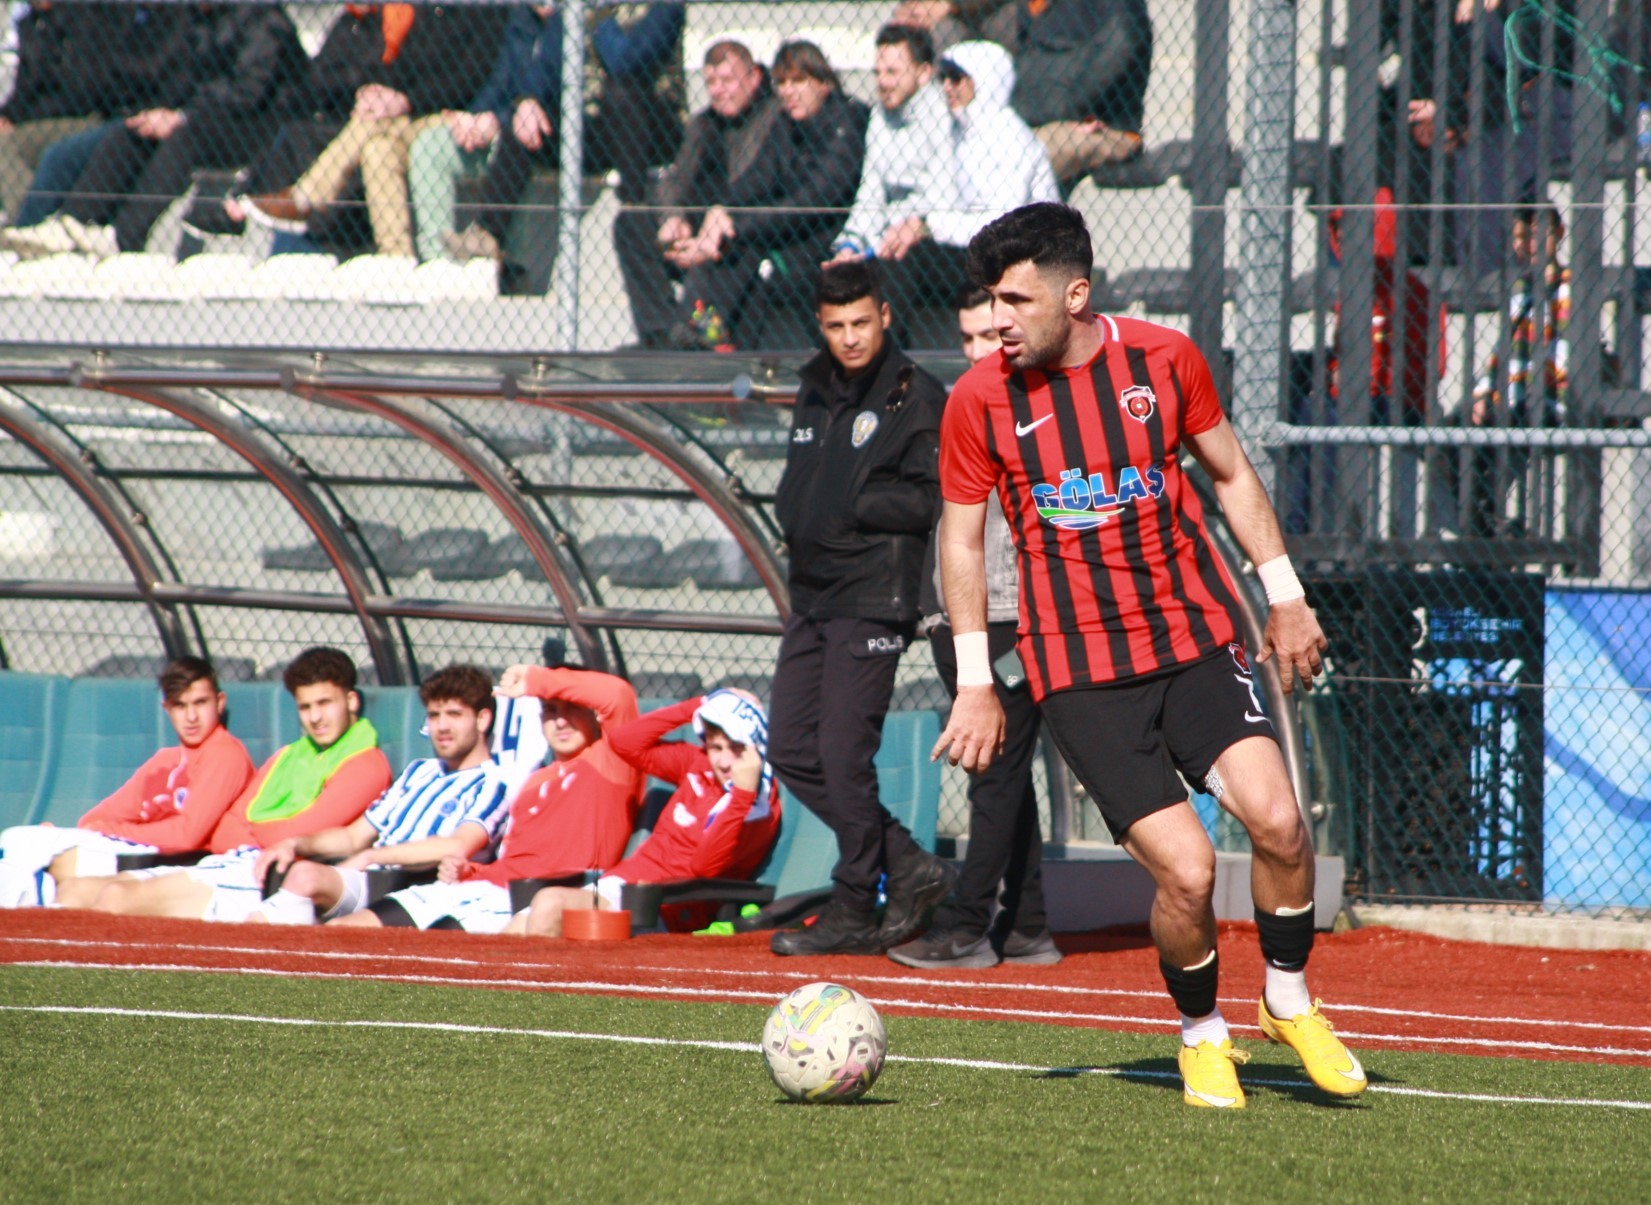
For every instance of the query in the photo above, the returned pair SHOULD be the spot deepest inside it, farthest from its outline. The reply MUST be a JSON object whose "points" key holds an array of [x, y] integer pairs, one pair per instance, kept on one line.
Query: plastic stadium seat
{"points": [[111, 726], [213, 277], [31, 733], [715, 565], [138, 276], [295, 278], [384, 539], [499, 558], [444, 280], [608, 555], [262, 716], [68, 277], [376, 280], [398, 714], [445, 548]]}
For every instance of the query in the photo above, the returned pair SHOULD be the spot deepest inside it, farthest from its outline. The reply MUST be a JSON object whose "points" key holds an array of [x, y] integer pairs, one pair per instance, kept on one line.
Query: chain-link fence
{"points": [[1464, 172]]}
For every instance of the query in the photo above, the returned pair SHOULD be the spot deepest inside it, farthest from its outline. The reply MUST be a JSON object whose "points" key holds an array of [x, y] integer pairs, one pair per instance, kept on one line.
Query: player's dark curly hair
{"points": [[847, 282], [1046, 234], [320, 664], [467, 684], [183, 672]]}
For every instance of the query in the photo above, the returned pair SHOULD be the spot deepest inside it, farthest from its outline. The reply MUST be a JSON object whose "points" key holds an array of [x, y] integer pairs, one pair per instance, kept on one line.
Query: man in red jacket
{"points": [[576, 814], [720, 822], [325, 779], [169, 806]]}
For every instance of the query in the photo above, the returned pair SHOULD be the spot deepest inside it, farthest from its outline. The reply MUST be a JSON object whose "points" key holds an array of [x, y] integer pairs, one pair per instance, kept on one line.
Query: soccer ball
{"points": [[824, 1043]]}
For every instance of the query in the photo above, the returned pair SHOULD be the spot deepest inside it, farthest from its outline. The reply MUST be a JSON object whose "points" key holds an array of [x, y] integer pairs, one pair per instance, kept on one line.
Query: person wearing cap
{"points": [[719, 823]]}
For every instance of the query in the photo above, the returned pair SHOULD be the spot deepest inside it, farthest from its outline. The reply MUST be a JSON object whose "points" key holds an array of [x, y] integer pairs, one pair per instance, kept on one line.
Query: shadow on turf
{"points": [[1163, 1073], [841, 1104]]}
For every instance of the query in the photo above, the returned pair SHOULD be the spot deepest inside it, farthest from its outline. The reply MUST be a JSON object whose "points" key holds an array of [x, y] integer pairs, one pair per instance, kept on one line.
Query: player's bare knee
{"points": [[359, 920], [1188, 884], [116, 896], [302, 878], [1276, 829], [544, 919]]}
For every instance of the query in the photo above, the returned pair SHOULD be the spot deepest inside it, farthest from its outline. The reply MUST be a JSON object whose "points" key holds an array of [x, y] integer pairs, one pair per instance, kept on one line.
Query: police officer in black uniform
{"points": [[856, 503]]}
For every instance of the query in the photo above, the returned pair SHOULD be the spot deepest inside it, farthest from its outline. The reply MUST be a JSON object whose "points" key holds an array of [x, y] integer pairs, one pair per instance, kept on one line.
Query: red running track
{"points": [[1385, 989]]}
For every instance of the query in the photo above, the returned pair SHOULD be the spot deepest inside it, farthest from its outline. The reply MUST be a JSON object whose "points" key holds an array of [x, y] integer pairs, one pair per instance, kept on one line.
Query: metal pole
{"points": [[571, 177], [1263, 274]]}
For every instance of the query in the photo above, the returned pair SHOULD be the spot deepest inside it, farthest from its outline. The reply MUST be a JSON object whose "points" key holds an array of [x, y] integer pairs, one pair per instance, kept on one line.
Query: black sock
{"points": [[1193, 991], [1286, 941]]}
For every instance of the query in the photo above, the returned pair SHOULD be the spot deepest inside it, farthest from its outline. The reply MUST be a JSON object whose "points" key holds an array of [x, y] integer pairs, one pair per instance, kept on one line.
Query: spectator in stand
{"points": [[446, 55], [1081, 69], [910, 172], [783, 211], [1534, 389], [507, 131], [52, 96], [324, 779], [1005, 843], [724, 143], [719, 823], [635, 92], [362, 47], [169, 806], [245, 74], [77, 65], [449, 804], [977, 78], [574, 815]]}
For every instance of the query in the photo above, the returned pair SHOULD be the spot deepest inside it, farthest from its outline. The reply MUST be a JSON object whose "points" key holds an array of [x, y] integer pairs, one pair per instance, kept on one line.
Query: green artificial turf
{"points": [[137, 1109]]}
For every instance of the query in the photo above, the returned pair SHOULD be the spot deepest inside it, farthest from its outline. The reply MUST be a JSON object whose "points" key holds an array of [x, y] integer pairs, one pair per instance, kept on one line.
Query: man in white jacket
{"points": [[1001, 165], [910, 172], [997, 164]]}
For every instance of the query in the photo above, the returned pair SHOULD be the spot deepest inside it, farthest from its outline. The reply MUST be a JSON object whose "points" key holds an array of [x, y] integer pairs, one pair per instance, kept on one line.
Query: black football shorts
{"points": [[1130, 742]]}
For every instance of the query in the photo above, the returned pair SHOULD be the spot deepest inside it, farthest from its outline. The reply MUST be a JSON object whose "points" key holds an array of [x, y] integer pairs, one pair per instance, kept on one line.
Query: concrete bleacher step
{"points": [[295, 277], [376, 280], [218, 277], [139, 276]]}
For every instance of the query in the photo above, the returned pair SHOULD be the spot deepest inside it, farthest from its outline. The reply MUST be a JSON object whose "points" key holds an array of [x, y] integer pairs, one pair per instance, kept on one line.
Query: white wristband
{"points": [[1279, 580], [974, 660]]}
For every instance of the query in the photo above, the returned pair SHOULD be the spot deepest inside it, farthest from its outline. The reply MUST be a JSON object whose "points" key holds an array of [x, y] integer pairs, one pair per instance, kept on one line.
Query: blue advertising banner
{"points": [[1597, 750]]}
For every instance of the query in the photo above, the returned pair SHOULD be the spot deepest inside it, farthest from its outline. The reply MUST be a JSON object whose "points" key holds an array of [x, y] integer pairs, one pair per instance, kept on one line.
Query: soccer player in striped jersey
{"points": [[448, 805], [1129, 624]]}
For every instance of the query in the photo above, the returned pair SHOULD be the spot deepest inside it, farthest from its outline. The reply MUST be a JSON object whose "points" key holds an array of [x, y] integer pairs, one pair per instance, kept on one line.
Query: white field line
{"points": [[805, 976], [753, 1048], [1504, 1048]]}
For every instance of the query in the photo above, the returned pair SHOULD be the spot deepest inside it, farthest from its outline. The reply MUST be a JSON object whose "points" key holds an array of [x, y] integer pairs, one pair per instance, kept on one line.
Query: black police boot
{"points": [[916, 885], [838, 929]]}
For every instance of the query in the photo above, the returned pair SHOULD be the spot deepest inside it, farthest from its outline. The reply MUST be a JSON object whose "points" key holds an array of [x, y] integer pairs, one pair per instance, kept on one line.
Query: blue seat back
{"points": [[111, 726], [261, 714], [908, 784], [31, 727], [398, 714]]}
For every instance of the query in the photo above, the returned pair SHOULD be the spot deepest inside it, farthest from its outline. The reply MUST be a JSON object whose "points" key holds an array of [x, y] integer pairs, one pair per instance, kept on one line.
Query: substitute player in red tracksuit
{"points": [[720, 822]]}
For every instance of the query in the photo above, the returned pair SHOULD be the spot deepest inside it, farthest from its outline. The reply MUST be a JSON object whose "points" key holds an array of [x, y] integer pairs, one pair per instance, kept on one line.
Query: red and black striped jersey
{"points": [[1117, 576]]}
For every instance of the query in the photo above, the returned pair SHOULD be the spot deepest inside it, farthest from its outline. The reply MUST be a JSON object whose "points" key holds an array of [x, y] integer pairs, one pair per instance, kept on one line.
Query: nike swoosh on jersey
{"points": [[1028, 428]]}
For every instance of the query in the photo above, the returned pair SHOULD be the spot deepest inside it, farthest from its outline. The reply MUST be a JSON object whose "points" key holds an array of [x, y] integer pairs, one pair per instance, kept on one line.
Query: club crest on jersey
{"points": [[865, 426], [1081, 503], [1138, 401]]}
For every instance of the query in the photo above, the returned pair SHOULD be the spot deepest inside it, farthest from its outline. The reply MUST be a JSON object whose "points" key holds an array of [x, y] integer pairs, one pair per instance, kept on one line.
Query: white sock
{"points": [[1286, 993], [1212, 1028], [287, 908]]}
